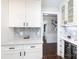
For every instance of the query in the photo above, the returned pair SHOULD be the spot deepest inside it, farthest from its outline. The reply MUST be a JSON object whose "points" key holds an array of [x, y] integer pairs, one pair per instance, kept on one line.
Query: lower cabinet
{"points": [[60, 47], [23, 52], [11, 54], [32, 55]]}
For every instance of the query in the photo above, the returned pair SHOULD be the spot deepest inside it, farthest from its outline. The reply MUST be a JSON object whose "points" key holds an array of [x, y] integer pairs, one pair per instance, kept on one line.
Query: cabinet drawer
{"points": [[12, 47], [35, 46], [20, 47]]}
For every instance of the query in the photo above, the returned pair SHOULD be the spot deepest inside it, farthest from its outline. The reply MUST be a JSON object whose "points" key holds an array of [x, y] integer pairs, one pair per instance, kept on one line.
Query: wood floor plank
{"points": [[50, 51]]}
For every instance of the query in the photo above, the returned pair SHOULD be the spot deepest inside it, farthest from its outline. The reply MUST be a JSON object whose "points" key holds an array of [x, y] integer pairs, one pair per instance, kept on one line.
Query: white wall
{"points": [[6, 33], [51, 34], [49, 8]]}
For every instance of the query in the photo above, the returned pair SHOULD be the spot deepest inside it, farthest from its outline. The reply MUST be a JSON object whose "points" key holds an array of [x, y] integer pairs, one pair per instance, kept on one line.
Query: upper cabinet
{"points": [[33, 13], [24, 13], [16, 13], [70, 13]]}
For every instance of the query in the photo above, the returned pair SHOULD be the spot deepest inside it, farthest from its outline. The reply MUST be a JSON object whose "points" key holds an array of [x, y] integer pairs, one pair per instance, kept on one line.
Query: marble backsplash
{"points": [[69, 31], [27, 33]]}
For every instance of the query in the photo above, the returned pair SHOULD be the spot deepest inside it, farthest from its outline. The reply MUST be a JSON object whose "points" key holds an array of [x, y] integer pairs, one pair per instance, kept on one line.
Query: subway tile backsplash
{"points": [[27, 33]]}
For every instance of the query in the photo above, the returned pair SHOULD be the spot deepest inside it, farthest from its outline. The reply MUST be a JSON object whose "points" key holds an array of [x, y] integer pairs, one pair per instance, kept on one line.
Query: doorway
{"points": [[49, 28], [50, 36]]}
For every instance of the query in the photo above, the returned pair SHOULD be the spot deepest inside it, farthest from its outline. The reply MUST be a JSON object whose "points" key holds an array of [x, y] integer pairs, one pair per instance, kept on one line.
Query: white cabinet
{"points": [[33, 52], [33, 13], [61, 48], [24, 13], [63, 14], [32, 55], [68, 15], [11, 54], [16, 13], [69, 12], [22, 52], [72, 12]]}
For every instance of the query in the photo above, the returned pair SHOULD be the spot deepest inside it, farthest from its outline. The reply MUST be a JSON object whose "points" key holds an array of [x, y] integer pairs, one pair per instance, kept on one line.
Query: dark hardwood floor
{"points": [[50, 51]]}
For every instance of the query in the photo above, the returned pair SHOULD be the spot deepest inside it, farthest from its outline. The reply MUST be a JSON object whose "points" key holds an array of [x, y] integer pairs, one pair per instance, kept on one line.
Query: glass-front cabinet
{"points": [[72, 12], [63, 14], [68, 13], [67, 30]]}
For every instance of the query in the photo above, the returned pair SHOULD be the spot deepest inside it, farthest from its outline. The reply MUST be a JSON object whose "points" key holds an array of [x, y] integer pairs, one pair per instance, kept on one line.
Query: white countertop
{"points": [[26, 41], [69, 40]]}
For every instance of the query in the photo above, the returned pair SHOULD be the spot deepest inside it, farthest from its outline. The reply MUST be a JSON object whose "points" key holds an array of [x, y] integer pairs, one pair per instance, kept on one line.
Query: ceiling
{"points": [[53, 3]]}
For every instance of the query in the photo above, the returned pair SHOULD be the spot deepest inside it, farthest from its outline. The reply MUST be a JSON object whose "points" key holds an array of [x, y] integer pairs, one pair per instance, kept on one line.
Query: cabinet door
{"points": [[33, 51], [32, 54], [72, 12], [63, 14], [11, 54], [33, 13], [16, 13]]}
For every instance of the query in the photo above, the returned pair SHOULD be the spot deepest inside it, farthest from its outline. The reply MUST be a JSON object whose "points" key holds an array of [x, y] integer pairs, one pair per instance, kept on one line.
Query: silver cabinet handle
{"points": [[11, 48], [24, 23], [32, 46], [20, 53], [24, 53]]}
